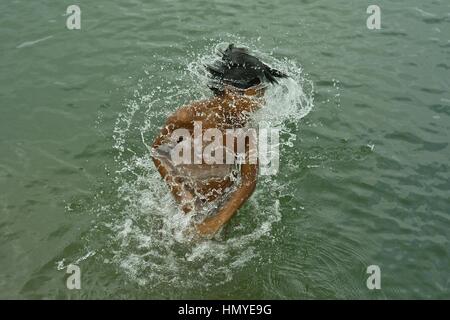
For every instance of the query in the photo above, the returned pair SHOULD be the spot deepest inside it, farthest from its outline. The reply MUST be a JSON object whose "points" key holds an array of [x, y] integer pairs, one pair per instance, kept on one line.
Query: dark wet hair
{"points": [[238, 68]]}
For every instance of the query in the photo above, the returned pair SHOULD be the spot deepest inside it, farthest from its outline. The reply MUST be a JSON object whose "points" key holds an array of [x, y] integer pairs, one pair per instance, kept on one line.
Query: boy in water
{"points": [[238, 81]]}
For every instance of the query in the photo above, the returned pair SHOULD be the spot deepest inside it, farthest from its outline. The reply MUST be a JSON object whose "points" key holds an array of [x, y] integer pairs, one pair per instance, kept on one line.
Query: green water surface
{"points": [[368, 172]]}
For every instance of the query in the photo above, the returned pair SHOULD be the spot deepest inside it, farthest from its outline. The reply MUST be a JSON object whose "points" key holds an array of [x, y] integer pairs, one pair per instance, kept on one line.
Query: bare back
{"points": [[197, 186]]}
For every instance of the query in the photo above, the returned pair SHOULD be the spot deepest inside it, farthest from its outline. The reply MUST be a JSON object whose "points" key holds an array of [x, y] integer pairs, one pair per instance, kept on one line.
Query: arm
{"points": [[211, 225], [180, 119], [173, 122]]}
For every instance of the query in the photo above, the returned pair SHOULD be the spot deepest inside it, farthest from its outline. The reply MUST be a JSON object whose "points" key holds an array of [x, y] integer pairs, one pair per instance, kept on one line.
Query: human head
{"points": [[238, 69]]}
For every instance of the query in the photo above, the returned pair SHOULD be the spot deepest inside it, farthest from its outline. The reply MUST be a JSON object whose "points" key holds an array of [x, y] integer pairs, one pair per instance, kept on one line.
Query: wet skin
{"points": [[228, 111]]}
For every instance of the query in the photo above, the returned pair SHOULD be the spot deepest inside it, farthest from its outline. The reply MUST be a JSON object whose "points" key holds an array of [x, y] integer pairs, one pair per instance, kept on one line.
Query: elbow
{"points": [[155, 145], [156, 142]]}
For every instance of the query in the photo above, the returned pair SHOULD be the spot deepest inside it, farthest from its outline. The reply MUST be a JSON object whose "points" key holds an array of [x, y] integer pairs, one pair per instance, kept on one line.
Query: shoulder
{"points": [[188, 112], [247, 104], [181, 115]]}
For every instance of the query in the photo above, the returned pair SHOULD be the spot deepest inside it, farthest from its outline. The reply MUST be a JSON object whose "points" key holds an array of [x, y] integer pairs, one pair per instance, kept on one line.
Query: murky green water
{"points": [[364, 176]]}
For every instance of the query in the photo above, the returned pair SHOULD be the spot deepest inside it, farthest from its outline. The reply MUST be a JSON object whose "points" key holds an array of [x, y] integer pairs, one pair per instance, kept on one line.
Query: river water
{"points": [[364, 150]]}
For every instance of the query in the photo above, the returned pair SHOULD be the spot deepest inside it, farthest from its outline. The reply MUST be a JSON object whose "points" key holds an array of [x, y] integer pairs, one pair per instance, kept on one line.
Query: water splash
{"points": [[148, 233]]}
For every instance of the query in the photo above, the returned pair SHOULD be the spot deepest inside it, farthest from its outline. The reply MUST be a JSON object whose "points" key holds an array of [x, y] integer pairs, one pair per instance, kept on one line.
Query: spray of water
{"points": [[148, 239]]}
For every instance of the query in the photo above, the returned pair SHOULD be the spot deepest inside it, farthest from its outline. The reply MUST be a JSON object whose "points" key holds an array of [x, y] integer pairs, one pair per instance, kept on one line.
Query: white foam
{"points": [[150, 236]]}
